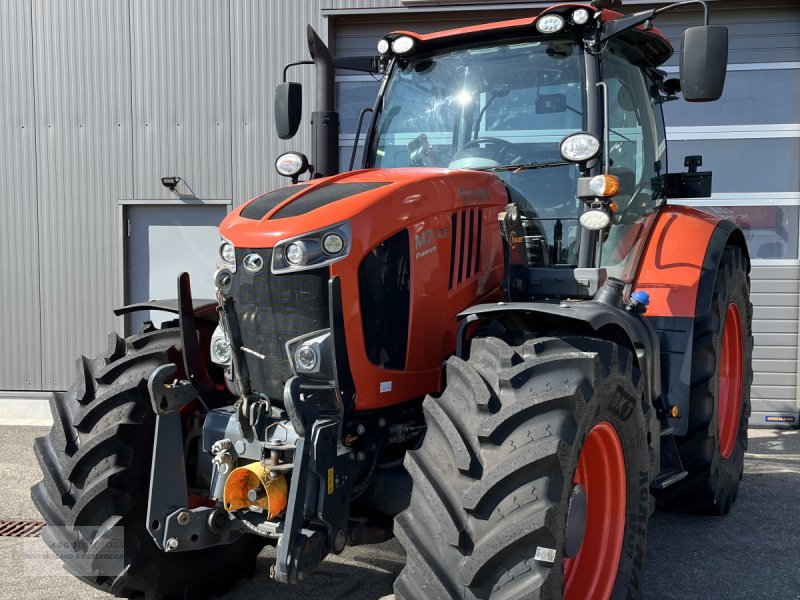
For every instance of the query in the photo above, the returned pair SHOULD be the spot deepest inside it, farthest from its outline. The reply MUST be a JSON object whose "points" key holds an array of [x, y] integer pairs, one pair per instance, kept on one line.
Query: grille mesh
{"points": [[273, 309]]}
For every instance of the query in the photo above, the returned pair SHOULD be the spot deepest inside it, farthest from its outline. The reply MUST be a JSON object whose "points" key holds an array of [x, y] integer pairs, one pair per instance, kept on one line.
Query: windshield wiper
{"points": [[523, 166]]}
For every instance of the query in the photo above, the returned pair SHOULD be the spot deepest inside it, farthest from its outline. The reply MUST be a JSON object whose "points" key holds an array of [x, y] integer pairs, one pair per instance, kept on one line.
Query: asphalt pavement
{"points": [[751, 553]]}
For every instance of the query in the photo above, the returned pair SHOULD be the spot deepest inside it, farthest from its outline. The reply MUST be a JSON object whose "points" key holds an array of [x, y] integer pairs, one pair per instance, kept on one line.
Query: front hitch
{"points": [[317, 513], [172, 525]]}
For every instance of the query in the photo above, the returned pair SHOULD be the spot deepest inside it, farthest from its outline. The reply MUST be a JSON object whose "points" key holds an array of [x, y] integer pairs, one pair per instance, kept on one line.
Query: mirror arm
{"points": [[618, 26], [294, 64], [365, 64]]}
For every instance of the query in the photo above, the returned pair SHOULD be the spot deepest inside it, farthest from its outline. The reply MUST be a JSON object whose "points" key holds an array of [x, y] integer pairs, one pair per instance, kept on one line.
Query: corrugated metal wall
{"points": [[19, 232], [81, 75], [181, 101]]}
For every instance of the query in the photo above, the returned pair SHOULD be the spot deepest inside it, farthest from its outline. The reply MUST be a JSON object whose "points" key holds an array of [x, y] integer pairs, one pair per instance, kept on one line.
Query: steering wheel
{"points": [[505, 147], [488, 140]]}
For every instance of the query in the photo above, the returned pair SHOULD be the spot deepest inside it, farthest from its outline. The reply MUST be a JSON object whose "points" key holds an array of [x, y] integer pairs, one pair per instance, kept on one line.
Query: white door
{"points": [[163, 241]]}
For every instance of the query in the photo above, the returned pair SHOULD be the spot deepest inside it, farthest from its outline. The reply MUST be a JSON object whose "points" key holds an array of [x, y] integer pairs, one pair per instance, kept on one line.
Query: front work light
{"points": [[580, 16], [579, 147], [403, 45], [291, 164], [550, 23], [594, 219], [383, 46]]}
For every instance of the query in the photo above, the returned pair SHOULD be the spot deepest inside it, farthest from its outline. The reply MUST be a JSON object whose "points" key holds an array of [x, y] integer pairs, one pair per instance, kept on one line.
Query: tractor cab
{"points": [[510, 97], [564, 108]]}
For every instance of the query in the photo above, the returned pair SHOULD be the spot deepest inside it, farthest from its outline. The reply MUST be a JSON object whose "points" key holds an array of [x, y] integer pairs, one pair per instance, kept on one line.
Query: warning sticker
{"points": [[330, 481], [545, 554]]}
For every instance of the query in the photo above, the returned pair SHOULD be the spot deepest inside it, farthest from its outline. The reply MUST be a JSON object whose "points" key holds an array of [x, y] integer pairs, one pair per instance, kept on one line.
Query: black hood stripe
{"points": [[258, 208], [322, 196]]}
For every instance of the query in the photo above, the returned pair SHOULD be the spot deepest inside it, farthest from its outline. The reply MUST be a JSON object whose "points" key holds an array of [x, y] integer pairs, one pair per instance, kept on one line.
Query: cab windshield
{"points": [[501, 108]]}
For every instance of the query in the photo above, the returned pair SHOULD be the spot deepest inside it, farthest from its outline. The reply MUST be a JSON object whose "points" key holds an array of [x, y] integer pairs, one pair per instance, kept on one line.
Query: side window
{"points": [[636, 152]]}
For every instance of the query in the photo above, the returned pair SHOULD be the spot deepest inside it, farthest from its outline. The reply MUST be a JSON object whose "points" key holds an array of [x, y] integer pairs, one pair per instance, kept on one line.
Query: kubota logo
{"points": [[253, 263]]}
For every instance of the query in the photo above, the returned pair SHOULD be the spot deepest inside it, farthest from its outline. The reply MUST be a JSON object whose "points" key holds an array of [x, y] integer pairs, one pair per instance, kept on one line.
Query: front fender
{"points": [[678, 269]]}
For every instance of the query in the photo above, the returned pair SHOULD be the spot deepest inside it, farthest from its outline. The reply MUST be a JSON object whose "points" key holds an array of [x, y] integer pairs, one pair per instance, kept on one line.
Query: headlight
{"points": [[333, 243], [295, 253], [220, 347], [227, 253], [403, 45], [579, 147], [550, 23], [306, 358], [594, 219], [312, 250]]}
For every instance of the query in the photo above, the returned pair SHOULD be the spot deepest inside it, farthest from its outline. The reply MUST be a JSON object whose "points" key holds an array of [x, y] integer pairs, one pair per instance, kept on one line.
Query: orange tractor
{"points": [[510, 220]]}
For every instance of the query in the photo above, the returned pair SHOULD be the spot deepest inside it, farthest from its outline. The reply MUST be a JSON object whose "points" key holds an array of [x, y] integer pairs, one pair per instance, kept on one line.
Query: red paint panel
{"points": [[605, 15], [423, 202], [423, 37], [673, 260]]}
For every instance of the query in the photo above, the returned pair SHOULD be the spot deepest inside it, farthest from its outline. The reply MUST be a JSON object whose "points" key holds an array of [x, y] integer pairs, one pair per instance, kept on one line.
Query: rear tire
{"points": [[493, 479], [713, 448], [96, 466]]}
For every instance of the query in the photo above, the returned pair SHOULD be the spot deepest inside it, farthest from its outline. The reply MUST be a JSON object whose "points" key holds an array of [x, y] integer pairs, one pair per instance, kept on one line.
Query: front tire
{"points": [[96, 467], [495, 508]]}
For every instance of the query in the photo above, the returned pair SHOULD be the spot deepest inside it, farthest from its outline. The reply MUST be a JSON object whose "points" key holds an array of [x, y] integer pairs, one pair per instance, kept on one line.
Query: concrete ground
{"points": [[752, 553]]}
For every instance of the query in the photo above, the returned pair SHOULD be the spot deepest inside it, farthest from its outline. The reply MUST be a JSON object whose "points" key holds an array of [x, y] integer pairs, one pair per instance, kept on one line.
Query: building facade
{"points": [[100, 99]]}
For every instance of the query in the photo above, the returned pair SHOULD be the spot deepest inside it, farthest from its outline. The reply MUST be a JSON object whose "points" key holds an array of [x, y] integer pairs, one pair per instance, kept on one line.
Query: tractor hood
{"points": [[374, 197]]}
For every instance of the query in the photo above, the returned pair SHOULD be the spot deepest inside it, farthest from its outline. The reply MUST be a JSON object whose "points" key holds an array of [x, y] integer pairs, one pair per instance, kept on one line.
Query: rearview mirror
{"points": [[551, 103], [288, 108], [704, 61]]}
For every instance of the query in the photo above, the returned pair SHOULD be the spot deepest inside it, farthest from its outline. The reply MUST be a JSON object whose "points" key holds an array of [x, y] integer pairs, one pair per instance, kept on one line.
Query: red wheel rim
{"points": [[601, 471], [730, 381]]}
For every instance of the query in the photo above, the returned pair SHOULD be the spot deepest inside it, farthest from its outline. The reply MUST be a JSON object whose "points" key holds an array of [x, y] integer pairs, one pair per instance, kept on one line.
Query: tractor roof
{"points": [[652, 44]]}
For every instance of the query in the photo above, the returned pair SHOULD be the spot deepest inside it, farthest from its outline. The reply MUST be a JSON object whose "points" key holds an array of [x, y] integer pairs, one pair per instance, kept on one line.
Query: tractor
{"points": [[496, 340]]}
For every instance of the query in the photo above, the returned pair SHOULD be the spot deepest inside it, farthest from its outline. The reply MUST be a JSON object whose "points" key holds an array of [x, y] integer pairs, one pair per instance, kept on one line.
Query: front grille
{"points": [[273, 309]]}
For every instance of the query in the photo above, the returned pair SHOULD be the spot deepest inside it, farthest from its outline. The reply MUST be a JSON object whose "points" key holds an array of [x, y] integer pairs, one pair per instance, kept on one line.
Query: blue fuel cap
{"points": [[641, 297], [637, 302]]}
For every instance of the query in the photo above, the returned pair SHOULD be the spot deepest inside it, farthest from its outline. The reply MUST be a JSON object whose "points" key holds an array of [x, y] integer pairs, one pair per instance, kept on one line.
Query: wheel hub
{"points": [[576, 521]]}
